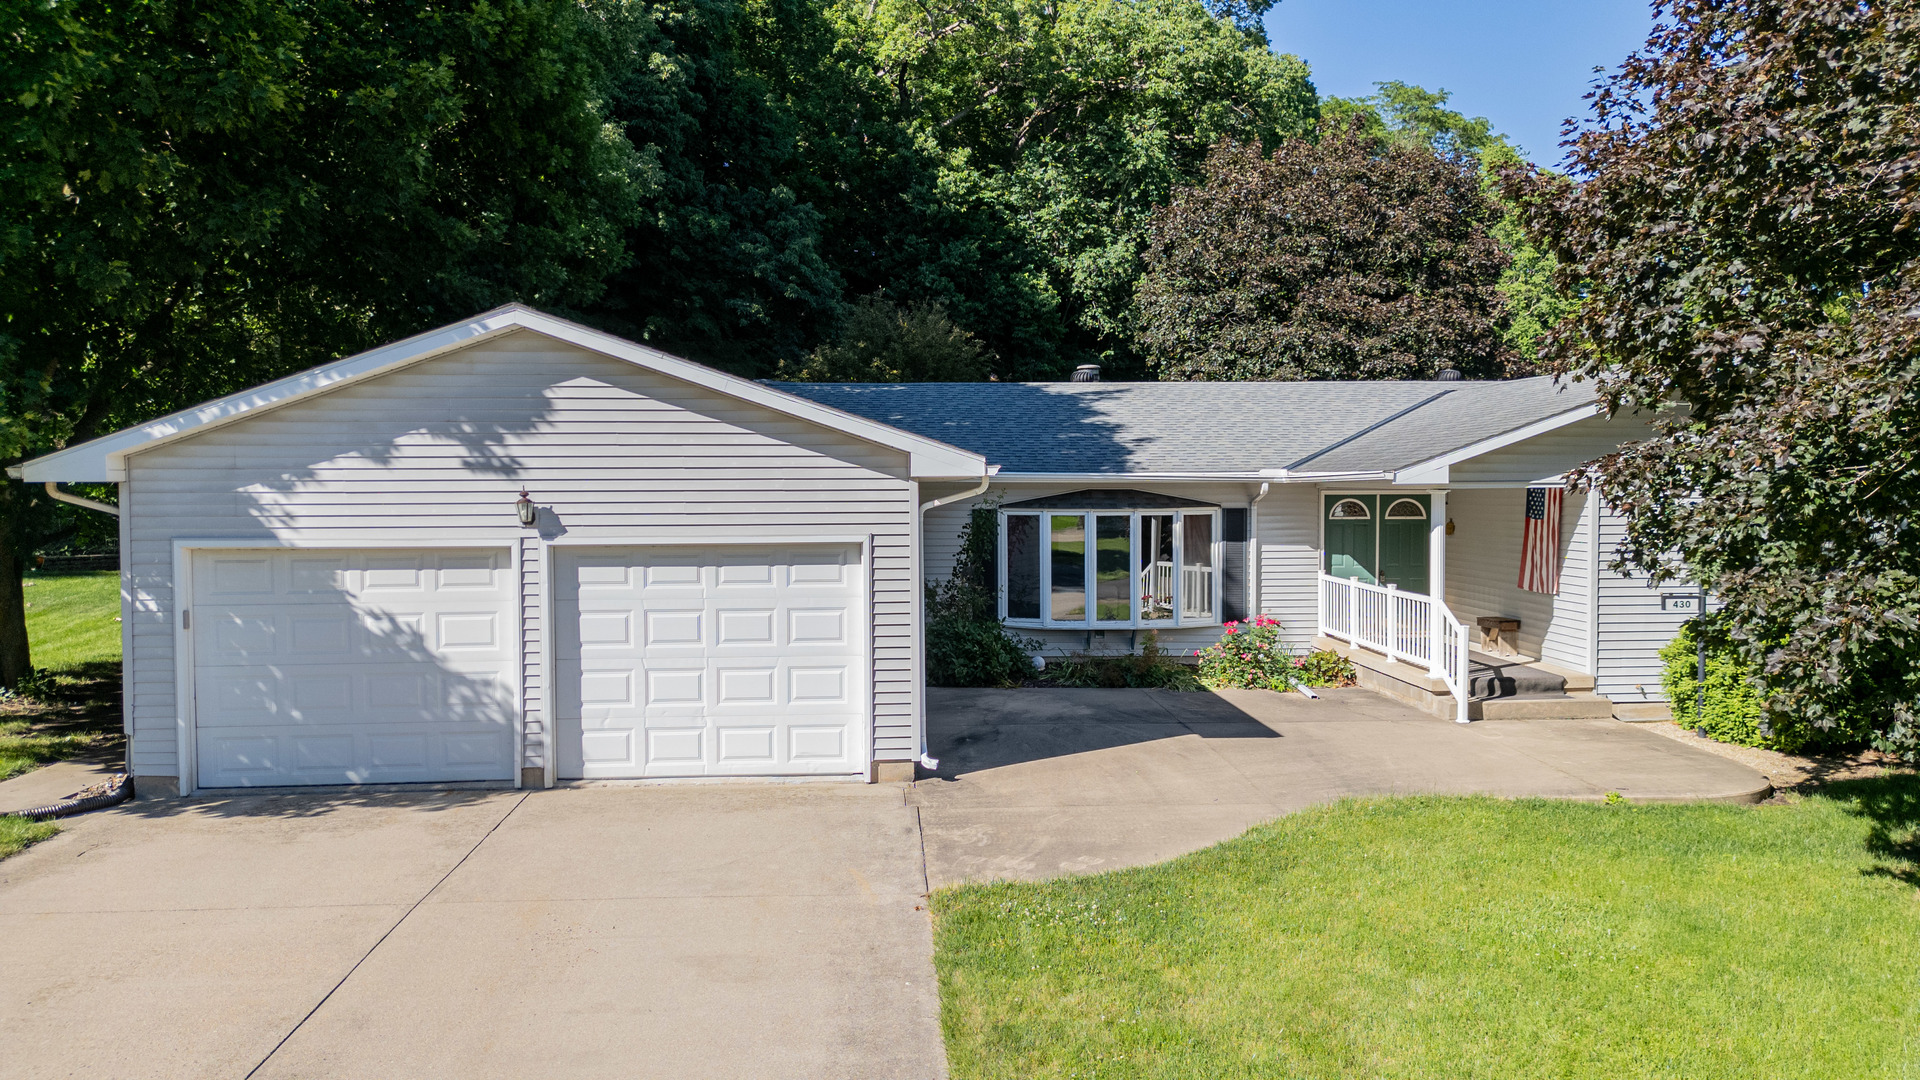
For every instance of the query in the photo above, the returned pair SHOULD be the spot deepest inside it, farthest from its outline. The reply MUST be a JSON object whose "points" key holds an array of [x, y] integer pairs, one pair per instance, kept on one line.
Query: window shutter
{"points": [[1233, 563], [992, 522]]}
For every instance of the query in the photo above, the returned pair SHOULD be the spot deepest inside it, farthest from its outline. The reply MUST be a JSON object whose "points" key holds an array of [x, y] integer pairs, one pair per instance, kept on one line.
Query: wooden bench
{"points": [[1499, 634]]}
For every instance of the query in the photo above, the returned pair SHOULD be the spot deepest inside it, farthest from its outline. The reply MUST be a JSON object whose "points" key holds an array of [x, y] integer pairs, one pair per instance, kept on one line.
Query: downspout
{"points": [[932, 764], [1253, 550], [53, 489]]}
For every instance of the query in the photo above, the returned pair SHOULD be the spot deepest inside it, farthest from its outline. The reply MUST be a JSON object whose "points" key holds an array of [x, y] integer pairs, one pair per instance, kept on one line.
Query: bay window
{"points": [[1103, 567]]}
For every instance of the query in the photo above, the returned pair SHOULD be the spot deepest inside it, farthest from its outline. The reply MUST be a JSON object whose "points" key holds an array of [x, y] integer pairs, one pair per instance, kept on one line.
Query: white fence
{"points": [[1409, 627]]}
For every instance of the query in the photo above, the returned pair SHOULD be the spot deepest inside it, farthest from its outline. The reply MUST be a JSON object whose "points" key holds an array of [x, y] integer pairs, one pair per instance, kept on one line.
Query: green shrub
{"points": [[1735, 708], [1324, 667], [966, 643], [1251, 656], [1151, 669]]}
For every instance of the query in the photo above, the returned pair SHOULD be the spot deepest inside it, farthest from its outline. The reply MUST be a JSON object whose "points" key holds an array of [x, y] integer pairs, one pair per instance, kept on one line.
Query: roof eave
{"points": [[104, 459], [1437, 470]]}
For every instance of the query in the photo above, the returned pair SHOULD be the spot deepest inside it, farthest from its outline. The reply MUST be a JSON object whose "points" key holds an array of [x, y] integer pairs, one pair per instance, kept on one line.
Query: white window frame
{"points": [[1090, 572]]}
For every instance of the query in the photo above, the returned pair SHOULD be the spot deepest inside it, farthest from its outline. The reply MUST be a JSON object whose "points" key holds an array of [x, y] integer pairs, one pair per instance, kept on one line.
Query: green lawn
{"points": [[74, 632], [73, 619], [17, 833], [1457, 938]]}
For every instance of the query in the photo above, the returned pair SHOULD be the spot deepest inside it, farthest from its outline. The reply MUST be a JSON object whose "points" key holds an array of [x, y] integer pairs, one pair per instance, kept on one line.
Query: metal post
{"points": [[1700, 674]]}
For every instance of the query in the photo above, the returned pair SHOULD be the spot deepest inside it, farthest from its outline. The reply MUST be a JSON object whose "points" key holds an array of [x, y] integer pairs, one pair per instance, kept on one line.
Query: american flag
{"points": [[1540, 544]]}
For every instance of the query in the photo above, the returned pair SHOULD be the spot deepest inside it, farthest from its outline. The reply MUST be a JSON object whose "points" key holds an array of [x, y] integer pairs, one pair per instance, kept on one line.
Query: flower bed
{"points": [[1250, 655]]}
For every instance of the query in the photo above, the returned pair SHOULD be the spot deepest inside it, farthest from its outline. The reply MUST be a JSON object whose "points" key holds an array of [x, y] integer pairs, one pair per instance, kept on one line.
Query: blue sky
{"points": [[1523, 64]]}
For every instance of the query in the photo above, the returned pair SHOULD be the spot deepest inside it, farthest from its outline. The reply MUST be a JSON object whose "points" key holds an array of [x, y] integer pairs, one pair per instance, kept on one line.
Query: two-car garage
{"points": [[391, 666], [516, 550]]}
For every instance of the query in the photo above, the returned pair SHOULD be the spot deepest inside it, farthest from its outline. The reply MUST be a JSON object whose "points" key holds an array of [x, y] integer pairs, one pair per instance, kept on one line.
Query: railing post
{"points": [[1353, 613], [1393, 621], [1460, 693], [1436, 641]]}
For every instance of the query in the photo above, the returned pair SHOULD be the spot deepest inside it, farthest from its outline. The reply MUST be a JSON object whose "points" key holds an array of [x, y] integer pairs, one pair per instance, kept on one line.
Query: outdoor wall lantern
{"points": [[527, 511]]}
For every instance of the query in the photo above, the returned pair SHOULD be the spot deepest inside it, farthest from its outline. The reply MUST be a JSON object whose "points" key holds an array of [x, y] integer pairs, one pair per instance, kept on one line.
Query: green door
{"points": [[1403, 541], [1351, 547]]}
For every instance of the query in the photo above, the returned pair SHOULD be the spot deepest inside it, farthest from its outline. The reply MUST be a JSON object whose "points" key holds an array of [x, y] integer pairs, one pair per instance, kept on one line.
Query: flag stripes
{"points": [[1540, 543]]}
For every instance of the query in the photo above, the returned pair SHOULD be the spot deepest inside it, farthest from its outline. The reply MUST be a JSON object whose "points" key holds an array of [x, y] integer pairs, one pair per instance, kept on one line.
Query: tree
{"points": [[880, 341], [1341, 258], [1065, 122], [1413, 114], [1746, 245], [1417, 116], [202, 197]]}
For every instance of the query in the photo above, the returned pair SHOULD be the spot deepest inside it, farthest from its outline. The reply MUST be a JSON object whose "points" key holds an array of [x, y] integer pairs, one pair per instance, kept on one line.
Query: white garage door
{"points": [[701, 662], [348, 667]]}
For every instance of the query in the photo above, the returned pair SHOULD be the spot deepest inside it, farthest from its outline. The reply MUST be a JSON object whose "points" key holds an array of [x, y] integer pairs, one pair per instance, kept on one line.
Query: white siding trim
{"points": [[124, 527], [549, 670]]}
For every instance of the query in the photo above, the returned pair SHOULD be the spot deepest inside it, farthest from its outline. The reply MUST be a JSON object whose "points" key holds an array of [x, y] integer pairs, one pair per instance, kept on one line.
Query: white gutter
{"points": [[53, 489], [931, 763], [1128, 478]]}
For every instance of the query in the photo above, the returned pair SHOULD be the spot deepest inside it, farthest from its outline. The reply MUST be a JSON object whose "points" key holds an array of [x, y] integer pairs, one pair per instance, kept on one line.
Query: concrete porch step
{"points": [[1541, 707], [1499, 677]]}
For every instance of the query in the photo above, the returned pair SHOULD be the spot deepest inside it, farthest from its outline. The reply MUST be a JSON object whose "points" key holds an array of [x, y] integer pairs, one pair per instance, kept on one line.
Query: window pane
{"points": [[1023, 566], [1069, 567], [1156, 566], [1196, 571], [1112, 583]]}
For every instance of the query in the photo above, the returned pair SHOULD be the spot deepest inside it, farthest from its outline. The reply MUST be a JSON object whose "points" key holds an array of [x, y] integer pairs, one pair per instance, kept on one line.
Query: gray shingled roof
{"points": [[1202, 427]]}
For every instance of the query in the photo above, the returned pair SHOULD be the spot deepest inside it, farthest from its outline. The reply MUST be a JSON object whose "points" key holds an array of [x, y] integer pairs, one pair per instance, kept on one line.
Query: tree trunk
{"points": [[16, 661]]}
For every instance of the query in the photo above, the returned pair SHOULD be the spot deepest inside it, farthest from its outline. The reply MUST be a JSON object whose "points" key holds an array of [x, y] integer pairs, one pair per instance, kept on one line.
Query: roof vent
{"points": [[1086, 373], [1449, 375]]}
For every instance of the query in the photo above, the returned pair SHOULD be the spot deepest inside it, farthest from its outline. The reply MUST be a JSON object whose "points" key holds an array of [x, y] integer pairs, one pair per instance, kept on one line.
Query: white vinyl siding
{"points": [[1548, 456], [438, 452], [1287, 523], [1483, 573], [1631, 627]]}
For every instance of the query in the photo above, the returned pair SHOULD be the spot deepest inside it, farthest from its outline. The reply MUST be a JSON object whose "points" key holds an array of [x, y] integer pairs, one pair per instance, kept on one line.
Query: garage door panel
{"points": [[353, 667], [685, 662]]}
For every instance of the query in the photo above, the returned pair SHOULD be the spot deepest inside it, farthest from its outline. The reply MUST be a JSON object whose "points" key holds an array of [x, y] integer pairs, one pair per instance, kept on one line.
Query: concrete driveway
{"points": [[775, 930], [1036, 784], [767, 930]]}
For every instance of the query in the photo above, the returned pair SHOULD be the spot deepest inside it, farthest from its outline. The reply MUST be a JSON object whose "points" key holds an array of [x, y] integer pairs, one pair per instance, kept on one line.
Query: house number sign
{"points": [[1685, 602]]}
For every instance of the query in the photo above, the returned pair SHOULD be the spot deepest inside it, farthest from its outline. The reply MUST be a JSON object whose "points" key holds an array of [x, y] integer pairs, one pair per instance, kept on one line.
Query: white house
{"points": [[336, 578]]}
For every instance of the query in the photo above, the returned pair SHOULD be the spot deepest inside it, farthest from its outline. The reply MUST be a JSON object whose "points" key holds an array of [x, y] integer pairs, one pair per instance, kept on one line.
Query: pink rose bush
{"points": [[1251, 656]]}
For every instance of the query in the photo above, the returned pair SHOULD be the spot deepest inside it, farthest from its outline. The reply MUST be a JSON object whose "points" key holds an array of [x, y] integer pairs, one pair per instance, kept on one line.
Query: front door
{"points": [[1353, 547], [1403, 541], [1378, 539]]}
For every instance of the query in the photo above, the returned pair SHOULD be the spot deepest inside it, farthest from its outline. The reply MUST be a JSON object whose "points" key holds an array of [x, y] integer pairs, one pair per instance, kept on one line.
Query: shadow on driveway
{"points": [[1034, 783]]}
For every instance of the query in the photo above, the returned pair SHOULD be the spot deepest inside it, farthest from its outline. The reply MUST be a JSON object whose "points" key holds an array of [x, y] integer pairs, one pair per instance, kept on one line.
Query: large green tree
{"points": [[1747, 242], [1410, 114], [198, 196], [1345, 257], [1063, 123]]}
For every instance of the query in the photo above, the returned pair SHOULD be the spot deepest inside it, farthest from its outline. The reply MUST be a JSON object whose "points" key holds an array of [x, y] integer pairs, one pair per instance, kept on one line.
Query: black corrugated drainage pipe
{"points": [[121, 792]]}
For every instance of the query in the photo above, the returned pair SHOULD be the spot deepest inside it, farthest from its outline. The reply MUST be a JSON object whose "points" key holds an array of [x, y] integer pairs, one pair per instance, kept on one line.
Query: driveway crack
{"points": [[415, 906]]}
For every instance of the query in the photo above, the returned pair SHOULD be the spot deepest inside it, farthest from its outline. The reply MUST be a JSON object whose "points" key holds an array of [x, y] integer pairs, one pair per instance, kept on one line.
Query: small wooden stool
{"points": [[1495, 631]]}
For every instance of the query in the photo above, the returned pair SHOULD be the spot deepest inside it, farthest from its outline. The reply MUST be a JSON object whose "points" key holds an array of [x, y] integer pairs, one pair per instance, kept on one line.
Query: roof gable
{"points": [[103, 459]]}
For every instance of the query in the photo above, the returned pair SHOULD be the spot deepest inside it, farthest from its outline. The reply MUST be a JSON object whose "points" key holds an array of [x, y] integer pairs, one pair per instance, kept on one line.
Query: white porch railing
{"points": [[1405, 626], [1156, 587]]}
